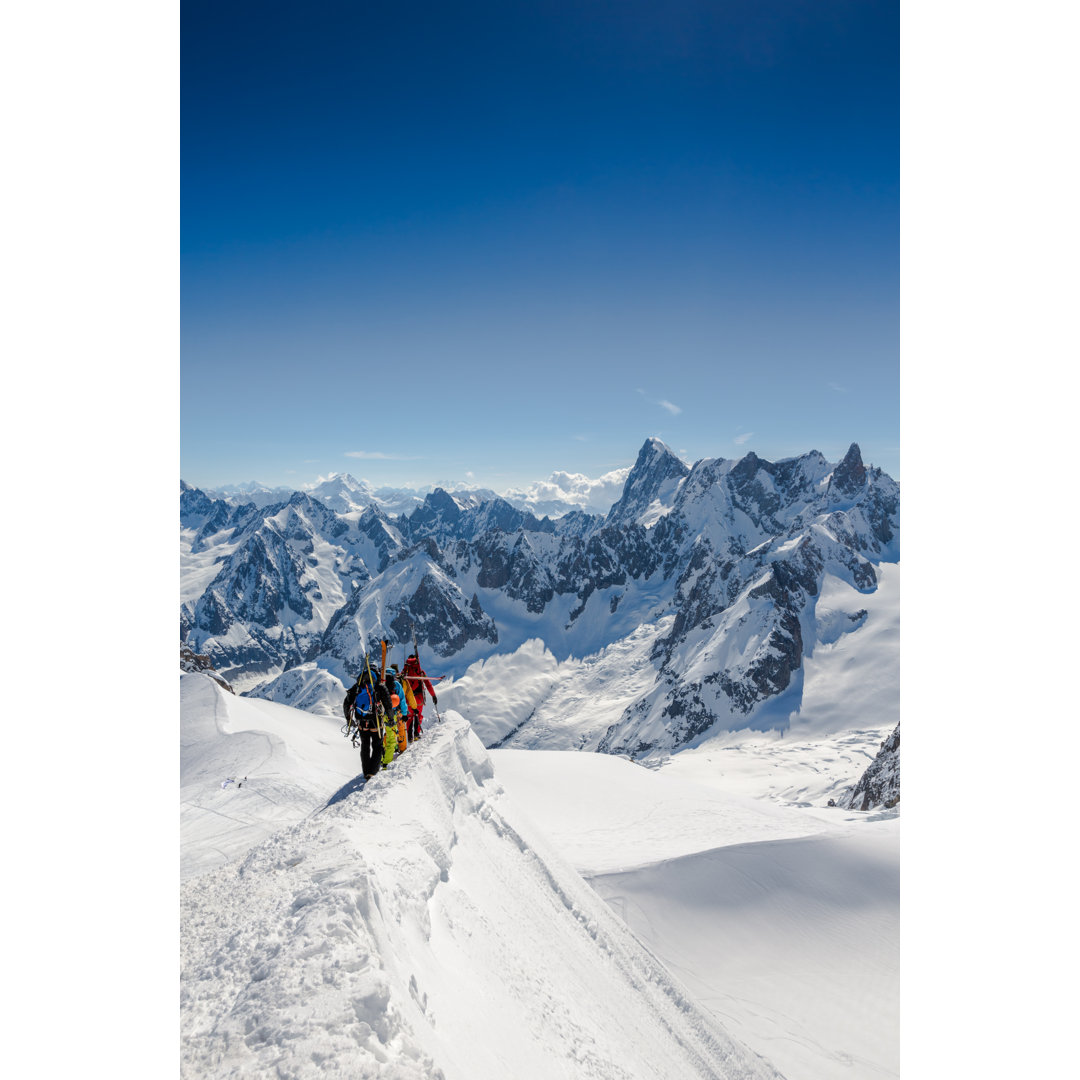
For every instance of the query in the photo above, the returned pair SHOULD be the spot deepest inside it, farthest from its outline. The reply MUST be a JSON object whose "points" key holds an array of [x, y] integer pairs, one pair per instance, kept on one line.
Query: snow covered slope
{"points": [[419, 926], [290, 760], [782, 919], [849, 681], [795, 943]]}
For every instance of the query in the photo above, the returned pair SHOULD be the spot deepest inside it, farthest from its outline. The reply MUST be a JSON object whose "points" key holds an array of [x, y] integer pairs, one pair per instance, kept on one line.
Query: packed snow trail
{"points": [[420, 927]]}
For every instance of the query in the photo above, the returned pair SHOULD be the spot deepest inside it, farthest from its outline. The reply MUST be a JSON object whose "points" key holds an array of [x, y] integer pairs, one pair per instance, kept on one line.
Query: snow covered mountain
{"points": [[693, 603], [562, 493], [649, 490]]}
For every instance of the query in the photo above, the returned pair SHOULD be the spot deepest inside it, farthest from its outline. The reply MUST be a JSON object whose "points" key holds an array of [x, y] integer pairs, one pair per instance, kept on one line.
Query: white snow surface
{"points": [[780, 917], [418, 926], [292, 761]]}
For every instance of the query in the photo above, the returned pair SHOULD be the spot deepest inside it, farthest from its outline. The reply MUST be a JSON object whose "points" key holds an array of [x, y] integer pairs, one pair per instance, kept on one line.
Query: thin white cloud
{"points": [[740, 439], [838, 388], [378, 455], [671, 407]]}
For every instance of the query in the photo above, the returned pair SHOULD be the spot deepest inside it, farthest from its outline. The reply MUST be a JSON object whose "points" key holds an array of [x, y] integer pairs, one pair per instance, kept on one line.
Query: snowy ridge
{"points": [[417, 927]]}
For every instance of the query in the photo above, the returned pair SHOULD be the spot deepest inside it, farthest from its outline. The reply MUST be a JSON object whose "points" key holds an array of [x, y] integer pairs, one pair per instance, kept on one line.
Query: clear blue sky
{"points": [[507, 238]]}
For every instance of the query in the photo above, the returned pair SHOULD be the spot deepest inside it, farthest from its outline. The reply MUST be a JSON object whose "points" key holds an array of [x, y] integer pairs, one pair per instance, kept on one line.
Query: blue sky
{"points": [[424, 242]]}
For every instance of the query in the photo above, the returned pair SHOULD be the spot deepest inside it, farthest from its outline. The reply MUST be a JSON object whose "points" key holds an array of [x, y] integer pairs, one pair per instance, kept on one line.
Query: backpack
{"points": [[367, 711]]}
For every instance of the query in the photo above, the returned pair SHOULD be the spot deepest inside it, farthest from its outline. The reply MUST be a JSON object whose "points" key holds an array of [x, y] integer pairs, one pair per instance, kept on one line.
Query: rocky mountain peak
{"points": [[194, 501], [442, 504], [342, 492], [850, 475], [654, 478], [746, 467]]}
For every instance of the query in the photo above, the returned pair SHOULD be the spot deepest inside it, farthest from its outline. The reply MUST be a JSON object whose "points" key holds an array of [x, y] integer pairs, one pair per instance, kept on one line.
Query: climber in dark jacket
{"points": [[372, 731]]}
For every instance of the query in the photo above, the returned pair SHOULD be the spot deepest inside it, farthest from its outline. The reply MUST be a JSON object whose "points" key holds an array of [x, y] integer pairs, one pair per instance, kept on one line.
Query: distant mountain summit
{"points": [[650, 489], [718, 567], [563, 493]]}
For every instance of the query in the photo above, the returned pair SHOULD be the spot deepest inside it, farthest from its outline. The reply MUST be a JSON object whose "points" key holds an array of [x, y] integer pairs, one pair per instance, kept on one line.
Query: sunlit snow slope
{"points": [[415, 927], [779, 915]]}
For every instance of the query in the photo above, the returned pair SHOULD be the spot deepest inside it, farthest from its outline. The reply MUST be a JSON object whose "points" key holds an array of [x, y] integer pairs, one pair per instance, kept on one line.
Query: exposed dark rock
{"points": [[879, 786], [443, 625], [850, 475], [193, 662]]}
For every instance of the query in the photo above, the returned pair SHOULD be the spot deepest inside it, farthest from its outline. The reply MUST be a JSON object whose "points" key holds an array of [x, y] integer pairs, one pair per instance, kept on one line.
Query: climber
{"points": [[369, 726], [397, 702], [417, 680], [390, 739]]}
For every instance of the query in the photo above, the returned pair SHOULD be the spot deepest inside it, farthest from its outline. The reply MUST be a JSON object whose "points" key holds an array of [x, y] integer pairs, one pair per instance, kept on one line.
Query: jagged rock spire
{"points": [[655, 475], [850, 474]]}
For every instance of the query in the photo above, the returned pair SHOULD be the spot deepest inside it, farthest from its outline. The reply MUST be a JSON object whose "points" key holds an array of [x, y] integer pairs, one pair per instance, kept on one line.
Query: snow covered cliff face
{"points": [[701, 589]]}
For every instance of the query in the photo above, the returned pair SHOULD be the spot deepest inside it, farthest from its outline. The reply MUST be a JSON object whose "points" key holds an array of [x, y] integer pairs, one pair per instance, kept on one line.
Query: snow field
{"points": [[780, 917], [606, 814], [292, 761], [792, 944]]}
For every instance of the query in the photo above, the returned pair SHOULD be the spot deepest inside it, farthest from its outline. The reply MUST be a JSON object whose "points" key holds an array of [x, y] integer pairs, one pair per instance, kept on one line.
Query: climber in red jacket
{"points": [[417, 681]]}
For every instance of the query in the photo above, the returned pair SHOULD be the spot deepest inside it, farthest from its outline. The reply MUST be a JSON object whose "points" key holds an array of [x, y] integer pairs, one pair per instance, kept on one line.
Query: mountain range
{"points": [[691, 603], [560, 494]]}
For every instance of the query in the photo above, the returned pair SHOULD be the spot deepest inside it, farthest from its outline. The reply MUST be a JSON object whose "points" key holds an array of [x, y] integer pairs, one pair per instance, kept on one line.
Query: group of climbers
{"points": [[384, 711]]}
